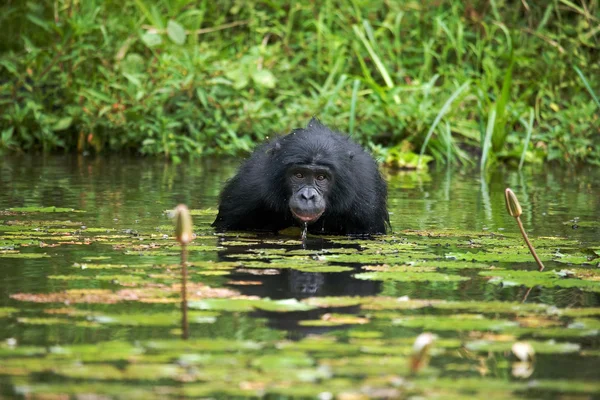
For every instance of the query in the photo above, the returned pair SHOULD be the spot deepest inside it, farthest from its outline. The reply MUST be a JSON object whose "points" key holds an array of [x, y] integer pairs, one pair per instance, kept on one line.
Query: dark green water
{"points": [[127, 197]]}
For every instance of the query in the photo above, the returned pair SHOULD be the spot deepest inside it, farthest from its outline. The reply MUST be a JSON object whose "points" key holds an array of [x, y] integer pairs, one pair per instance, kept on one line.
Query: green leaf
{"points": [[499, 136], [39, 22], [151, 39], [133, 63], [7, 134], [264, 78], [176, 32], [239, 77], [62, 124], [133, 79], [445, 108], [98, 95], [10, 66]]}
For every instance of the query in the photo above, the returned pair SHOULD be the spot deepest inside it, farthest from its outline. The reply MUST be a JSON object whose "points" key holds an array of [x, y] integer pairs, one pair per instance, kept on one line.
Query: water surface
{"points": [[117, 240]]}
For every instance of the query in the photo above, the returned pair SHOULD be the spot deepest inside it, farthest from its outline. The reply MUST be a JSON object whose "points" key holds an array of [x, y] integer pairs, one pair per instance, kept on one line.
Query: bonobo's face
{"points": [[309, 186]]}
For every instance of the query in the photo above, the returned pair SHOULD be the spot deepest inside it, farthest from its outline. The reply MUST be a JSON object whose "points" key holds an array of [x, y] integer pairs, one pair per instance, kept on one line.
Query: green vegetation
{"points": [[504, 80]]}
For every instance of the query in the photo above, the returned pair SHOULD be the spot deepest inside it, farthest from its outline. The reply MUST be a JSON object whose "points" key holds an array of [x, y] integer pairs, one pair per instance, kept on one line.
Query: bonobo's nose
{"points": [[308, 194]]}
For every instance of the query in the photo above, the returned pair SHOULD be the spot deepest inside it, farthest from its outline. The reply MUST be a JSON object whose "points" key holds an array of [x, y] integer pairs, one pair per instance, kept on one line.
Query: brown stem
{"points": [[546, 39], [153, 29], [526, 295], [184, 320], [531, 249], [220, 28], [50, 65]]}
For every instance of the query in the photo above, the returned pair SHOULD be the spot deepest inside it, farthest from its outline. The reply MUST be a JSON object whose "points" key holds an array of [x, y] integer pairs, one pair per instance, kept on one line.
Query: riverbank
{"points": [[176, 79]]}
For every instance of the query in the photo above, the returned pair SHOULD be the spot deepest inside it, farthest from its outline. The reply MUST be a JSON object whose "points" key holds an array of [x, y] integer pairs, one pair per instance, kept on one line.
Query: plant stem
{"points": [[184, 319], [531, 249]]}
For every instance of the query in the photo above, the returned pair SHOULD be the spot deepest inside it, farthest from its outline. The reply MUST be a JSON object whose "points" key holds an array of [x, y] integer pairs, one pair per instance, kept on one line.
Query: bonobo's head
{"points": [[308, 187], [313, 173]]}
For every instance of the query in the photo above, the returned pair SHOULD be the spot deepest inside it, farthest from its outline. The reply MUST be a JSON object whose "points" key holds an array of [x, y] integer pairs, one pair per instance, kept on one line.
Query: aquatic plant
{"points": [[514, 209]]}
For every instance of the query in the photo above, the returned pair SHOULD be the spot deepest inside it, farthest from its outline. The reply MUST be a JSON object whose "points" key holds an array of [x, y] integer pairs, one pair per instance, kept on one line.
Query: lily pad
{"points": [[51, 209], [548, 347], [24, 255], [6, 311], [410, 277], [458, 322], [335, 320], [535, 278], [249, 304]]}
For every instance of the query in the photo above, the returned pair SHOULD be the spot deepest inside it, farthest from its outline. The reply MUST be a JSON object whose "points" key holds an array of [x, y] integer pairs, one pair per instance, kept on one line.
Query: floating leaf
{"points": [[534, 278], [455, 323], [6, 311], [410, 277], [43, 209], [547, 347], [24, 255]]}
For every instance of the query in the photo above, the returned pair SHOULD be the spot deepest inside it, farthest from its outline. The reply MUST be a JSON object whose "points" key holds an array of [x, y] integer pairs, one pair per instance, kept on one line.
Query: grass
{"points": [[487, 141], [587, 86], [176, 78], [529, 126], [439, 117]]}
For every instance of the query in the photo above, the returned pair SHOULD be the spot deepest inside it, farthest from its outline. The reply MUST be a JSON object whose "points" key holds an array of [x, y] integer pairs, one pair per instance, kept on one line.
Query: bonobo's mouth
{"points": [[307, 218]]}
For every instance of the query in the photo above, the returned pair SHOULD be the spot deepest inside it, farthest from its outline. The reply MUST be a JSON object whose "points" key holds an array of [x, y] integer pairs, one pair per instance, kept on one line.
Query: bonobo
{"points": [[311, 176]]}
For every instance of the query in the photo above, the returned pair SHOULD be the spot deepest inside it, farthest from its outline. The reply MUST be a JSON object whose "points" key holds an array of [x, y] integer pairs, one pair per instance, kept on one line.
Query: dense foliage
{"points": [[509, 80]]}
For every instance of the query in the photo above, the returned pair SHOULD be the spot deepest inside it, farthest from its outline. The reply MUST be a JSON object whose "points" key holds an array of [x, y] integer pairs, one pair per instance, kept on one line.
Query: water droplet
{"points": [[304, 232]]}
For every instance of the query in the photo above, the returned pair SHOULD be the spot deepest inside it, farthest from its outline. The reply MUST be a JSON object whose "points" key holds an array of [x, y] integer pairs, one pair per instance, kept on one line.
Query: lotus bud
{"points": [[183, 225], [512, 203]]}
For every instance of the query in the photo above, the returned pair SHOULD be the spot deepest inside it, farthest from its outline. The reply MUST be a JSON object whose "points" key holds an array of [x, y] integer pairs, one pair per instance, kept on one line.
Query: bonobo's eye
{"points": [[299, 175], [321, 177]]}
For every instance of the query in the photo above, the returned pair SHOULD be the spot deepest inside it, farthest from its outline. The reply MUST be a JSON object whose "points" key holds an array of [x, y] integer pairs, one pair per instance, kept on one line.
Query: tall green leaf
{"points": [[487, 141], [529, 127], [439, 117], [355, 87], [587, 85], [499, 136]]}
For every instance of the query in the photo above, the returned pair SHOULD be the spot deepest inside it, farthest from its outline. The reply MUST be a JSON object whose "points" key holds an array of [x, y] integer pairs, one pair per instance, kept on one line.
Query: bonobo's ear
{"points": [[314, 121]]}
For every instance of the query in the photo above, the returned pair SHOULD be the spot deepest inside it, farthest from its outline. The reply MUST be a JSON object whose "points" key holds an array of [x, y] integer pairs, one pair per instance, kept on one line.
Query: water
{"points": [[128, 197]]}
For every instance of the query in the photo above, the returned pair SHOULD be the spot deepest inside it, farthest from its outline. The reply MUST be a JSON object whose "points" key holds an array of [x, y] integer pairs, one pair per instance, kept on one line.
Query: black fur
{"points": [[257, 197]]}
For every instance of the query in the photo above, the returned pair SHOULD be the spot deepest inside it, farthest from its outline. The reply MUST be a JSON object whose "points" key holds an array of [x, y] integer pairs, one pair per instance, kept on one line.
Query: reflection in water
{"points": [[117, 190], [306, 284], [485, 199], [466, 201], [290, 283], [184, 234], [184, 304], [121, 190], [300, 285]]}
